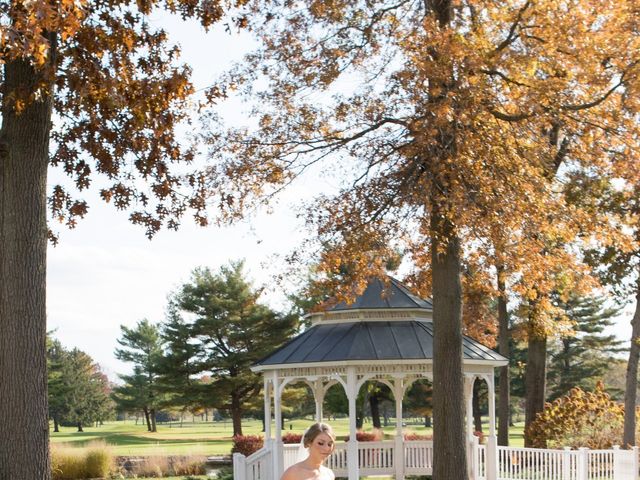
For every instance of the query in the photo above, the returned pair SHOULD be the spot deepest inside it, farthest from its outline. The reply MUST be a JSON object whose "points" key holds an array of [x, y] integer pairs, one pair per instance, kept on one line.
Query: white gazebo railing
{"points": [[257, 466], [418, 457], [377, 458]]}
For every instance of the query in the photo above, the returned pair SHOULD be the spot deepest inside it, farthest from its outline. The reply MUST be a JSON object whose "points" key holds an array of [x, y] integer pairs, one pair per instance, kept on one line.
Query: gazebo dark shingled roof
{"points": [[388, 340], [380, 294], [354, 339]]}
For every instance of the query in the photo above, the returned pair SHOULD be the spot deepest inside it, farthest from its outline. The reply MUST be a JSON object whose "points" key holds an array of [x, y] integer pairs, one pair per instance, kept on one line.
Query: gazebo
{"points": [[385, 335]]}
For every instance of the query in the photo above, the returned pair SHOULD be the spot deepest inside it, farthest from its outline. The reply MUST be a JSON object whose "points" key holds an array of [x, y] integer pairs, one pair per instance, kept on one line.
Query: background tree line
{"points": [[79, 392]]}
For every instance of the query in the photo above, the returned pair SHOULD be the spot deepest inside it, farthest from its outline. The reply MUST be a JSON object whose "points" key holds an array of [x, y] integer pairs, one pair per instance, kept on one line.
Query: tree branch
{"points": [[512, 36]]}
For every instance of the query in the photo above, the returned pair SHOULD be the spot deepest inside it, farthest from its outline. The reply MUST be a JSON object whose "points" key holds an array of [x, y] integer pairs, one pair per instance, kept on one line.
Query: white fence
{"points": [[545, 464], [377, 458]]}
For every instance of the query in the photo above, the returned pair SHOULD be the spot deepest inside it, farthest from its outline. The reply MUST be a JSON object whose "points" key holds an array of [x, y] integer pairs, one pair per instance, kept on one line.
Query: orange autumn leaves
{"points": [[484, 119], [119, 94]]}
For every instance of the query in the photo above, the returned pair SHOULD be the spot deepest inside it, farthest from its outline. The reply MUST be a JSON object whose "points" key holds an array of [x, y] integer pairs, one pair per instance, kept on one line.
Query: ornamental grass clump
{"points": [[93, 461], [188, 465]]}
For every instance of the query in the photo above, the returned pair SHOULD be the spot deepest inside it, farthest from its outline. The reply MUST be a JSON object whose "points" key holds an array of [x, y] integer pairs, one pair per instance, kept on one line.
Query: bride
{"points": [[319, 441]]}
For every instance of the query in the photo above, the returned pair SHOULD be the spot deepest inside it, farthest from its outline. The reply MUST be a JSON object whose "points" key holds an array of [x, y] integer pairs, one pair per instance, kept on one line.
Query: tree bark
{"points": [[80, 427], [147, 419], [24, 155], [475, 404], [534, 382], [629, 432], [449, 459], [374, 404], [56, 425], [504, 386], [236, 415], [152, 415]]}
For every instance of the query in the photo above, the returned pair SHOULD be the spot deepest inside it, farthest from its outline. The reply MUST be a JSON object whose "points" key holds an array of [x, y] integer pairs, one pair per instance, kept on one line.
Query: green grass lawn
{"points": [[201, 438]]}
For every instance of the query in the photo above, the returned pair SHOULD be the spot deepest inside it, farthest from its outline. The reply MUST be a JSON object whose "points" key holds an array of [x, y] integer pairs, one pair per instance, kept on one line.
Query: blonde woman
{"points": [[319, 442]]}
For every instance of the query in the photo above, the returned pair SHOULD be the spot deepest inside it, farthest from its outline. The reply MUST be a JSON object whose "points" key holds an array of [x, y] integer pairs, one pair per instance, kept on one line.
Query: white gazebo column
{"points": [[469, 380], [492, 441], [352, 445], [318, 395], [472, 440], [277, 446], [398, 459], [267, 413]]}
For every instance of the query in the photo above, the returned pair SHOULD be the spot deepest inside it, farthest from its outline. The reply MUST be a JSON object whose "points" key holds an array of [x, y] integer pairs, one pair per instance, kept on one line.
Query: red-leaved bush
{"points": [[373, 436], [416, 437], [246, 444], [290, 437]]}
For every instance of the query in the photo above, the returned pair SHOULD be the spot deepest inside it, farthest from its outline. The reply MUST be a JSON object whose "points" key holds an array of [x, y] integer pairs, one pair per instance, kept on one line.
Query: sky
{"points": [[106, 273]]}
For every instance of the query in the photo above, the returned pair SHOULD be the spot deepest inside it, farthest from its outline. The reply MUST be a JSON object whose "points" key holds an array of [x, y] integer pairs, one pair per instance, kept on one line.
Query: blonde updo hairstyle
{"points": [[314, 430]]}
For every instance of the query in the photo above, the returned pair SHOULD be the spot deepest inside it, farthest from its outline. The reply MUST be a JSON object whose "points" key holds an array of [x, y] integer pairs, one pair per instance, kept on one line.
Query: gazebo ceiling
{"points": [[369, 341]]}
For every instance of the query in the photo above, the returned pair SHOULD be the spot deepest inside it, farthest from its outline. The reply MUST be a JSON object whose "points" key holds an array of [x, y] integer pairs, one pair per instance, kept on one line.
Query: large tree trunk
{"points": [[534, 382], [449, 446], [629, 435], [79, 425], [504, 387], [24, 155], [449, 459], [236, 415]]}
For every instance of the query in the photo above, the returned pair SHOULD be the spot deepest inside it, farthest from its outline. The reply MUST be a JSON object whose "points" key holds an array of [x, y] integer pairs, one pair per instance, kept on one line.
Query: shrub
{"points": [[93, 461], [372, 436], [579, 419], [225, 473], [416, 436], [247, 444], [291, 437]]}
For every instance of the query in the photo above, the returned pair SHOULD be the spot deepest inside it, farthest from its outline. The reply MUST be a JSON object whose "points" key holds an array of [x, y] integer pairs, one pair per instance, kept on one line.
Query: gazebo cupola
{"points": [[385, 335]]}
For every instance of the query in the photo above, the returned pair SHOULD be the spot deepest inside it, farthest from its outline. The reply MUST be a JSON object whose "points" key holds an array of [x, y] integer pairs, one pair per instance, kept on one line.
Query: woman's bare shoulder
{"points": [[297, 472], [294, 472]]}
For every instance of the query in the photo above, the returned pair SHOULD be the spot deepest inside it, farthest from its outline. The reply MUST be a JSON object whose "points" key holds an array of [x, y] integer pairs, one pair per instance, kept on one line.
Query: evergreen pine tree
{"points": [[178, 367], [582, 359], [232, 331], [142, 346]]}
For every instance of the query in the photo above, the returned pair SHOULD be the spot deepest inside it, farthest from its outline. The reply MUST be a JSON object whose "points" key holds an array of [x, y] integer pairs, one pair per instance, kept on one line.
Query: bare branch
{"points": [[512, 36]]}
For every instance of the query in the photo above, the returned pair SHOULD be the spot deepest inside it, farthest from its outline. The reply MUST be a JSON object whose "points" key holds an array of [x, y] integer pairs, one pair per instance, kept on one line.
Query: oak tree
{"points": [[446, 118], [96, 90]]}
